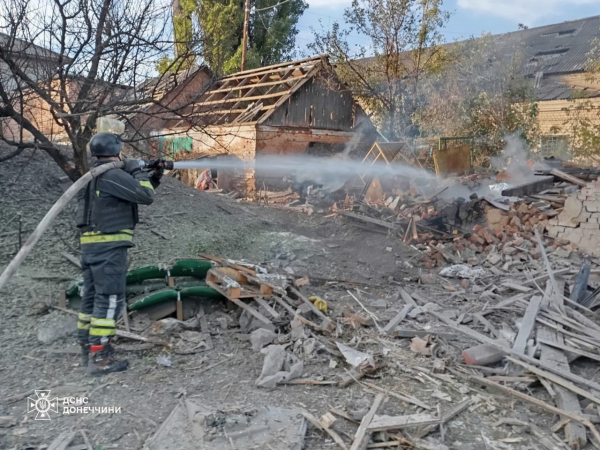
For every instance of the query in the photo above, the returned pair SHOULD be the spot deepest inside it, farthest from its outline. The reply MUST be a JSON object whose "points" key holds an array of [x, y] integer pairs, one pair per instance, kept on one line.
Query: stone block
{"points": [[554, 231], [590, 226], [573, 235], [591, 206], [573, 207], [583, 216]]}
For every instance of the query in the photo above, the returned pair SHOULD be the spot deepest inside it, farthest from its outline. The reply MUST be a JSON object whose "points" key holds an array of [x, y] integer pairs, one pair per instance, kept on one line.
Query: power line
{"points": [[271, 7]]}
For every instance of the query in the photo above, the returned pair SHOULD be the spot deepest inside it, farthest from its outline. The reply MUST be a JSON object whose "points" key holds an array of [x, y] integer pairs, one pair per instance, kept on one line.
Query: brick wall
{"points": [[561, 116], [579, 222], [227, 144]]}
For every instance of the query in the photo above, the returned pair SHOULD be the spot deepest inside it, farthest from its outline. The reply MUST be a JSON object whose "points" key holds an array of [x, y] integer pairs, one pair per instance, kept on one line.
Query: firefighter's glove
{"points": [[132, 166], [156, 175]]}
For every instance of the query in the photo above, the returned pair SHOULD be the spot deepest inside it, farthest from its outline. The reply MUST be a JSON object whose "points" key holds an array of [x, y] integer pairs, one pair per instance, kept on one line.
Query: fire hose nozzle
{"points": [[156, 164]]}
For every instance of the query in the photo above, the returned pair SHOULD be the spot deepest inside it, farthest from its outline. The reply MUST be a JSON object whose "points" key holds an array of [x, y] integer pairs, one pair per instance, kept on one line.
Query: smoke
{"points": [[514, 161]]}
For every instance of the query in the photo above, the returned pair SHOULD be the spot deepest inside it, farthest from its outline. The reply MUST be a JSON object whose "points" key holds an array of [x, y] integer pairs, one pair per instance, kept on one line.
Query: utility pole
{"points": [[245, 38]]}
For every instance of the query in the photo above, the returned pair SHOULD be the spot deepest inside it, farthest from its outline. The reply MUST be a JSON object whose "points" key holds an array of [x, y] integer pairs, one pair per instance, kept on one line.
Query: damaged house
{"points": [[289, 108]]}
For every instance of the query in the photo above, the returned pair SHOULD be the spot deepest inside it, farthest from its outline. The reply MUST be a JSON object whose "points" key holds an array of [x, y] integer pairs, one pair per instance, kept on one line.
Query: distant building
{"points": [[39, 64], [556, 57], [290, 108]]}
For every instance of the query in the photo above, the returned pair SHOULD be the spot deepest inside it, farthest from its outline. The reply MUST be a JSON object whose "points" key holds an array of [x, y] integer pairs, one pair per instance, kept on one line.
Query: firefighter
{"points": [[107, 214]]}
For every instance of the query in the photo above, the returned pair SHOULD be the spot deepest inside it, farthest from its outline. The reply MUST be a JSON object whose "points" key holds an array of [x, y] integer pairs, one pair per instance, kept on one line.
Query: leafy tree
{"points": [[480, 93], [405, 38], [271, 33]]}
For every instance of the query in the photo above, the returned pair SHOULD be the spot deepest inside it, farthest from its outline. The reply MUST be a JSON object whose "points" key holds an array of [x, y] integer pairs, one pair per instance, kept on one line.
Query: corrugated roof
{"points": [[561, 48], [553, 49]]}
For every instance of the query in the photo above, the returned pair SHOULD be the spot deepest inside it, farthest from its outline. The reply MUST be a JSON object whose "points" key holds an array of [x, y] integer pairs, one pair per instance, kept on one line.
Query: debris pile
{"points": [[579, 220]]}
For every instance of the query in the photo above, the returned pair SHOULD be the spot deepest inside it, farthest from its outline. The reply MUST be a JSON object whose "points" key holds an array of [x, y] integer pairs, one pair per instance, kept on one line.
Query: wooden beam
{"points": [[539, 403], [220, 111], [359, 442], [275, 68], [240, 87], [383, 423], [308, 303], [397, 319], [447, 416], [569, 178], [486, 340], [555, 358], [527, 324], [242, 99], [566, 348], [557, 380], [315, 422], [402, 398]]}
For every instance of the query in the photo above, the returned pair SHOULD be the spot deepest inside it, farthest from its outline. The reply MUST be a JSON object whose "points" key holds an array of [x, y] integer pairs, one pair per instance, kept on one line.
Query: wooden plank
{"points": [[315, 422], [544, 277], [567, 348], [265, 305], [284, 304], [527, 324], [557, 380], [540, 403], [407, 298], [486, 323], [72, 259], [274, 68], [423, 333], [397, 319], [250, 86], [446, 417], [561, 330], [486, 340], [367, 219], [557, 293], [383, 423], [250, 309], [307, 302], [516, 287], [359, 442], [555, 358], [205, 330], [402, 398], [568, 178]]}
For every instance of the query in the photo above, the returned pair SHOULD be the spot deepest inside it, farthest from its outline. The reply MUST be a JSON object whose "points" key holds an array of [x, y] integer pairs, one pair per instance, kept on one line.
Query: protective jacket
{"points": [[107, 209]]}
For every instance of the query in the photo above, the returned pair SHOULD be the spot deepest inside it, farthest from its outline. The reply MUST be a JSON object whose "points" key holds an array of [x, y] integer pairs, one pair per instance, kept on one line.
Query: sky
{"points": [[469, 17]]}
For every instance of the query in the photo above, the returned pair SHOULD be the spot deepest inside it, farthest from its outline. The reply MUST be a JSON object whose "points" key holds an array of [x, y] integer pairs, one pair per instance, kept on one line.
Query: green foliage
{"points": [[272, 32], [582, 124], [183, 32], [164, 64], [404, 37], [220, 23], [481, 94]]}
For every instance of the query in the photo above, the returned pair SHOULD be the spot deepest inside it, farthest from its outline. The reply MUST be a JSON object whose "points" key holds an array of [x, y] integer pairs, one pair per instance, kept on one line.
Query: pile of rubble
{"points": [[579, 220]]}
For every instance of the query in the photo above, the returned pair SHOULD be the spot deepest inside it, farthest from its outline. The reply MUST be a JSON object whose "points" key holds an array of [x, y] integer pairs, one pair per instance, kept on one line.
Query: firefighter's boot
{"points": [[103, 361], [85, 355]]}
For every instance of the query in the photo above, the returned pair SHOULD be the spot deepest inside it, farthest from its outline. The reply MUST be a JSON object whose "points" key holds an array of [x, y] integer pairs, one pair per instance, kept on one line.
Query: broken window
{"points": [[557, 146]]}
